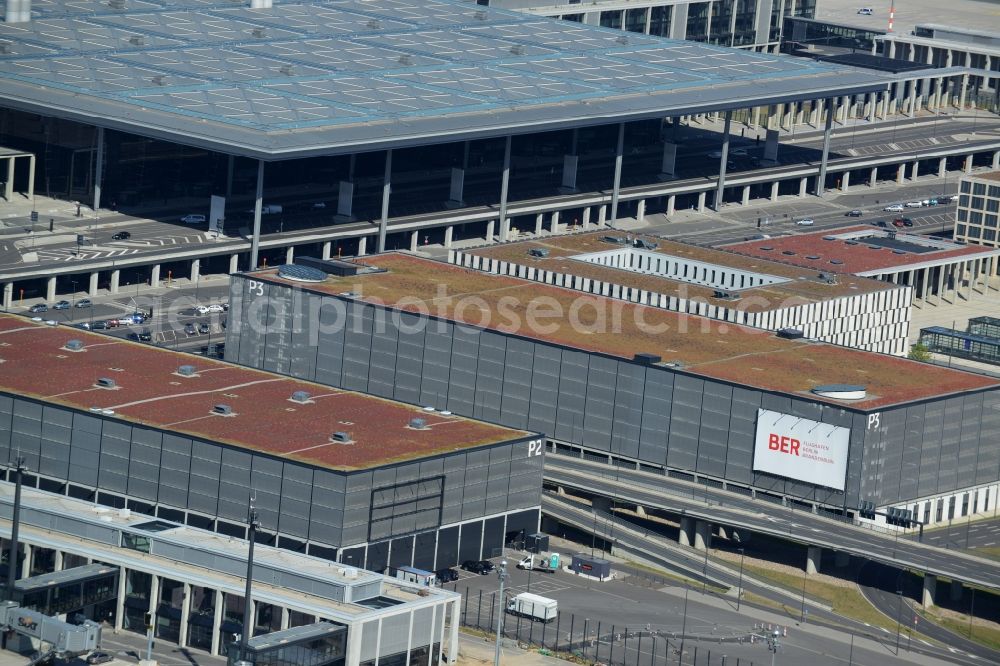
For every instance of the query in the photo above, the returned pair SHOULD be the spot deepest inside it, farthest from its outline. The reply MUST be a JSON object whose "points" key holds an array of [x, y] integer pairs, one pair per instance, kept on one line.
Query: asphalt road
{"points": [[765, 517], [966, 534]]}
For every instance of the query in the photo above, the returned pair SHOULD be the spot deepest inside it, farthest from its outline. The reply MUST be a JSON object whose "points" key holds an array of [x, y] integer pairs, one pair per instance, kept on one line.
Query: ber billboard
{"points": [[801, 449]]}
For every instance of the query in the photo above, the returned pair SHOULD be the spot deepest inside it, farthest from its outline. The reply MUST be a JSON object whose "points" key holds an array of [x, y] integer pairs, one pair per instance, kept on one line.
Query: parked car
{"points": [[83, 325], [61, 305], [208, 309], [190, 329], [897, 223], [914, 204], [880, 223], [100, 657], [121, 235], [855, 213], [739, 152], [141, 336], [907, 222], [805, 222], [84, 303], [446, 575], [100, 326], [474, 566], [39, 307], [203, 328], [894, 208], [193, 218], [866, 11], [487, 566]]}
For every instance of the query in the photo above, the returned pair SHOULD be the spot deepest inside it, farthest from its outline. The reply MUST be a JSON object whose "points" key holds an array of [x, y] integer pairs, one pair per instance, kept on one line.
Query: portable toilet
{"points": [[554, 560]]}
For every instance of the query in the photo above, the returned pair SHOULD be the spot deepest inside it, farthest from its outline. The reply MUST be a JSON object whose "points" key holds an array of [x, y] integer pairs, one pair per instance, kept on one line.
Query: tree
{"points": [[919, 352]]}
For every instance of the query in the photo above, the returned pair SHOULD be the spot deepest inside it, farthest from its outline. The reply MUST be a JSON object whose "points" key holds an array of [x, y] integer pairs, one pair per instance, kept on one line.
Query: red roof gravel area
{"points": [[149, 392], [859, 258], [704, 347]]}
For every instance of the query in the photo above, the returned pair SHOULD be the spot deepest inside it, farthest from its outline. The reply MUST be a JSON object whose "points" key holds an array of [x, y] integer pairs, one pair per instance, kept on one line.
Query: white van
{"points": [[866, 11]]}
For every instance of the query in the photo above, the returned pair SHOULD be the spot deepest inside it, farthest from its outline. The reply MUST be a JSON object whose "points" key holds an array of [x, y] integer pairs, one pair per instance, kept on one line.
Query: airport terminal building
{"points": [[627, 383]]}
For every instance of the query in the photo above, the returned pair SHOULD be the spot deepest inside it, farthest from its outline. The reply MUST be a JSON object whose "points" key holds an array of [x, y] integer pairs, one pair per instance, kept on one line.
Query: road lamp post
{"points": [[773, 644], [899, 614], [680, 654], [254, 523], [502, 577], [739, 593], [12, 563]]}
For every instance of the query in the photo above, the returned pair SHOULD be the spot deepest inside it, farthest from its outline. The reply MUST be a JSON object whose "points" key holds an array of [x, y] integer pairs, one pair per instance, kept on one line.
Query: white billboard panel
{"points": [[801, 449]]}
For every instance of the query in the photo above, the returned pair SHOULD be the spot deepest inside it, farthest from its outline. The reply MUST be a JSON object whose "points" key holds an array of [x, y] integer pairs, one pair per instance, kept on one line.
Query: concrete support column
{"points": [[414, 240], [915, 171], [540, 220], [942, 167], [92, 290], [813, 556], [290, 254], [746, 195], [586, 218], [154, 595], [490, 228], [930, 588], [182, 639], [220, 602], [154, 276], [912, 106], [120, 602], [722, 532], [602, 215], [701, 202], [640, 210], [968, 164], [554, 222], [98, 169], [453, 634], [115, 278], [504, 188], [617, 182], [26, 562], [900, 174], [449, 231], [257, 208], [845, 181], [286, 618], [352, 653], [8, 188], [363, 246], [873, 178], [383, 227], [996, 159], [774, 190], [327, 249], [671, 204], [720, 188], [50, 289], [825, 156], [685, 534], [195, 270], [941, 272], [803, 186], [962, 90], [702, 535]]}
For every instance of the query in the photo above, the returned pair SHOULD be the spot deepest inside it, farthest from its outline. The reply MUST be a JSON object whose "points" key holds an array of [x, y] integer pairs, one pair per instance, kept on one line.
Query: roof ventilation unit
{"points": [[286, 70], [828, 278], [517, 50], [106, 383], [187, 371], [725, 295], [301, 397], [4, 47], [790, 333], [258, 32], [340, 437], [643, 244], [74, 345], [646, 358], [222, 410], [406, 59], [539, 252], [480, 15], [374, 24], [841, 391], [157, 80], [135, 40], [615, 240], [116, 4], [622, 39], [837, 262], [417, 424]]}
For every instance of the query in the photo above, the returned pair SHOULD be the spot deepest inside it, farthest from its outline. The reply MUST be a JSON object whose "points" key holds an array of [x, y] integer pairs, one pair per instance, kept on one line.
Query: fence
{"points": [[597, 642]]}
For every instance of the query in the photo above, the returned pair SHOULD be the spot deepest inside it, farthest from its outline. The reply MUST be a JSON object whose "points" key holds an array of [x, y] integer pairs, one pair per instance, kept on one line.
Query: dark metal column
{"points": [[257, 208], [12, 562], [248, 621], [721, 187], [386, 188]]}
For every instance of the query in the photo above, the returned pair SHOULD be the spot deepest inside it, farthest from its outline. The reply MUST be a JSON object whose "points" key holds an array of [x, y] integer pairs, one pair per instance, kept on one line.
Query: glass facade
{"points": [[722, 18], [959, 343], [612, 19], [698, 21], [325, 646], [635, 19], [745, 29], [659, 20]]}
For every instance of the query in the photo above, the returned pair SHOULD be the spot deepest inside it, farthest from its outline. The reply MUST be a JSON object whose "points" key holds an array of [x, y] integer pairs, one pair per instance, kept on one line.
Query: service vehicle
{"points": [[534, 607]]}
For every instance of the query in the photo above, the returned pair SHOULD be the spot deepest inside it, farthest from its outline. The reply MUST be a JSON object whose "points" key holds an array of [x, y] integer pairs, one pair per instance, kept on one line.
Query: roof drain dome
{"points": [[841, 391]]}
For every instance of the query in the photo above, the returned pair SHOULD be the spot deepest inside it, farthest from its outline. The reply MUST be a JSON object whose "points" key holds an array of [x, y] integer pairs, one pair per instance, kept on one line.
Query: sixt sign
{"points": [[801, 449]]}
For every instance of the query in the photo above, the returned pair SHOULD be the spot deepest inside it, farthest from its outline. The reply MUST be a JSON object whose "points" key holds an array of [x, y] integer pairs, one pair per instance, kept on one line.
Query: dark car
{"points": [[880, 223], [203, 328], [854, 213], [39, 307], [100, 657], [487, 566], [474, 566], [121, 235], [100, 326], [907, 222], [141, 336], [190, 329], [446, 575]]}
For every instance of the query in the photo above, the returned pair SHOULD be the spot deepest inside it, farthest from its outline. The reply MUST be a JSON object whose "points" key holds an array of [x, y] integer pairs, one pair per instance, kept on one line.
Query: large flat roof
{"points": [[700, 346], [862, 250], [326, 76], [33, 363], [801, 286]]}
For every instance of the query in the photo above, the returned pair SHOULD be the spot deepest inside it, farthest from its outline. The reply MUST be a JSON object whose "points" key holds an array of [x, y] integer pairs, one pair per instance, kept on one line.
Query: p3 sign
{"points": [[801, 449], [535, 447], [255, 287]]}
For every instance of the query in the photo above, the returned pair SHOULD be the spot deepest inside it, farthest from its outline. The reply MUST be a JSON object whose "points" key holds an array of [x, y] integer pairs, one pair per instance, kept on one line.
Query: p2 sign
{"points": [[801, 449]]}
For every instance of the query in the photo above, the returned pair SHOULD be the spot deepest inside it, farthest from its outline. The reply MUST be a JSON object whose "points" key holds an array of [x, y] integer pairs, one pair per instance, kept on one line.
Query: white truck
{"points": [[534, 607], [529, 563]]}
